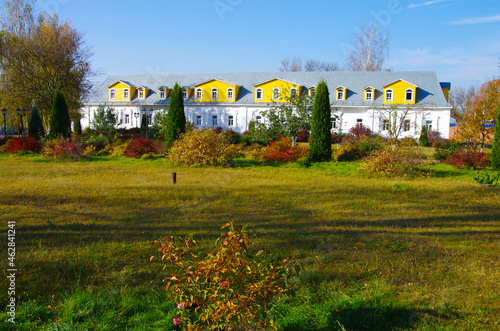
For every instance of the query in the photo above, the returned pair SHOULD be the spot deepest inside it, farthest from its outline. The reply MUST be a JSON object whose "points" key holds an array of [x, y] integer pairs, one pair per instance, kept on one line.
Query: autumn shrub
{"points": [[235, 151], [281, 150], [303, 136], [62, 148], [200, 148], [357, 132], [347, 152], [225, 289], [434, 138], [394, 162], [159, 147], [445, 150], [338, 138], [469, 158], [138, 147], [252, 151], [368, 145], [16, 145], [90, 150], [232, 137], [408, 142], [120, 150]]}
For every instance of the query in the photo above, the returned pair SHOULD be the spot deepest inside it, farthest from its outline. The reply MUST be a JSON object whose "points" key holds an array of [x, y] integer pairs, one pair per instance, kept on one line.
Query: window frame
{"points": [[258, 119], [370, 92], [387, 92], [184, 93], [428, 125], [276, 93], [112, 94], [294, 93], [162, 94], [385, 125], [214, 120], [141, 93], [406, 125], [198, 120], [412, 95], [340, 95], [259, 91], [230, 120], [312, 92], [216, 91], [127, 118], [126, 93], [230, 93], [199, 93]]}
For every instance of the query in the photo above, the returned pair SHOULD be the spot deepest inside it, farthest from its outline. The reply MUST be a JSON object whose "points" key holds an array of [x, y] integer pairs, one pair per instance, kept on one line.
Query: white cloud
{"points": [[476, 20], [428, 3]]}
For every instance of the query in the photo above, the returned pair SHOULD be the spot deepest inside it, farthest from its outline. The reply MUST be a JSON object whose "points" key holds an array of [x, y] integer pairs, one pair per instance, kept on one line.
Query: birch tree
{"points": [[371, 48]]}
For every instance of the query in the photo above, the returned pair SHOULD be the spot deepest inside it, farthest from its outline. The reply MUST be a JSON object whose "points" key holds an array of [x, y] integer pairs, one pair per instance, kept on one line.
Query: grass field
{"points": [[377, 254]]}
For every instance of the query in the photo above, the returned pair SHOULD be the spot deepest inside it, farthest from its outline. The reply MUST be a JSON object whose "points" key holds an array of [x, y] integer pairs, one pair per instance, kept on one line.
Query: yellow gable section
{"points": [[120, 91], [276, 90], [167, 92], [400, 92], [216, 91]]}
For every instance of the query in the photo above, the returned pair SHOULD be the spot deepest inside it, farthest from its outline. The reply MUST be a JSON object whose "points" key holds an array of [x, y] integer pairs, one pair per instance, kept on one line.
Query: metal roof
{"points": [[429, 91]]}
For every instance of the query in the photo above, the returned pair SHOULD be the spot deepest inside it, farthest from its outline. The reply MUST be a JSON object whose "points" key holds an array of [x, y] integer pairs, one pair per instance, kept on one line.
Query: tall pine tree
{"points": [[320, 143], [424, 138], [176, 121], [60, 124], [495, 152], [35, 125]]}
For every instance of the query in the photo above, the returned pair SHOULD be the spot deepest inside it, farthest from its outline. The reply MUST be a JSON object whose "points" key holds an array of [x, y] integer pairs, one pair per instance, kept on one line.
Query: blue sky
{"points": [[459, 39]]}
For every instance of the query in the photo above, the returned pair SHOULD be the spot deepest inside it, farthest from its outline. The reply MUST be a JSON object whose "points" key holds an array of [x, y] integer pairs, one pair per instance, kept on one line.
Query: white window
{"points": [[312, 92], [293, 93], [162, 94], [258, 94], [258, 119], [125, 94], [369, 95], [141, 94], [230, 93], [388, 95], [230, 120], [198, 119], [409, 95], [215, 94], [184, 94], [127, 119], [150, 119], [340, 94], [428, 124], [359, 121], [199, 94], [406, 125], [214, 120], [334, 123], [112, 94], [276, 93], [385, 125]]}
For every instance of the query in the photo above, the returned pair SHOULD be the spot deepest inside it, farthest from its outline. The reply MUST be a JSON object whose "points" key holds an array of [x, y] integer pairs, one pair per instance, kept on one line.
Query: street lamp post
{"points": [[18, 112], [4, 112]]}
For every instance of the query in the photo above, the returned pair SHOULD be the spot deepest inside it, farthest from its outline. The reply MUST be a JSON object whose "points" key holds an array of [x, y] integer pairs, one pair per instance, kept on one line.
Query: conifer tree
{"points": [[424, 139], [144, 122], [176, 122], [60, 124], [35, 125], [320, 143], [77, 126], [495, 152]]}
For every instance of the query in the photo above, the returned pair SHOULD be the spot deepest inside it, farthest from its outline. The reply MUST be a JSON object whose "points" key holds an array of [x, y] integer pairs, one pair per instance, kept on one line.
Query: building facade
{"points": [[383, 101]]}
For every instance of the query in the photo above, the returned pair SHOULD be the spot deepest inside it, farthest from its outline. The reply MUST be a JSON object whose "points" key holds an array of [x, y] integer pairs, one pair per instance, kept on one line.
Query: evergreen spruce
{"points": [[424, 139], [143, 124], [176, 121], [35, 125], [77, 126], [495, 152], [320, 143], [60, 124]]}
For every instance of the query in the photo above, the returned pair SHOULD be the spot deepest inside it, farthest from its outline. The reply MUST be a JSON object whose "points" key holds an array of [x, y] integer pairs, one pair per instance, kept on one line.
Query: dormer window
{"points": [[215, 94], [276, 93], [230, 93], [199, 93], [162, 94], [258, 94], [312, 92], [389, 95], [340, 94], [184, 94], [112, 94], [141, 94], [409, 95], [369, 95], [293, 93], [126, 94]]}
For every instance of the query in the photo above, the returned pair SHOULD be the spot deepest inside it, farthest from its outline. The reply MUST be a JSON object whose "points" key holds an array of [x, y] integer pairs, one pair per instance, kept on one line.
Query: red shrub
{"points": [[281, 150], [469, 158], [24, 144], [303, 136], [358, 131], [61, 148], [139, 146], [338, 138]]}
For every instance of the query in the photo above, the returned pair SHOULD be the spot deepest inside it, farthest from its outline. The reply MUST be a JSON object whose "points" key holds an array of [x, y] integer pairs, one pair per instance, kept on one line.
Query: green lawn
{"points": [[377, 254]]}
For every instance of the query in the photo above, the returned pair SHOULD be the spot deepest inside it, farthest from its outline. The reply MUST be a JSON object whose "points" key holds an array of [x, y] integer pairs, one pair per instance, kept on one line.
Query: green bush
{"points": [[200, 148], [484, 178], [447, 149], [394, 162]]}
